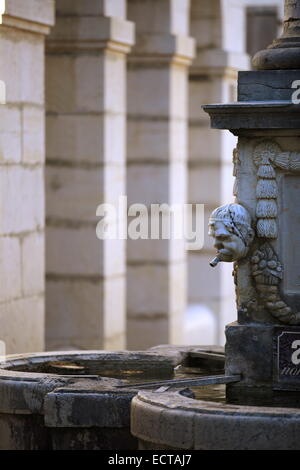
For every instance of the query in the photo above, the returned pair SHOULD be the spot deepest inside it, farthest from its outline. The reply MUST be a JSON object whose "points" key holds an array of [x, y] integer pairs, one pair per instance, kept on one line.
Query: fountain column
{"points": [[261, 230]]}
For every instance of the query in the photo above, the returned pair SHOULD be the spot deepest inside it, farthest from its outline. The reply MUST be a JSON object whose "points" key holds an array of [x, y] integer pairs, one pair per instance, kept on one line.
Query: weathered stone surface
{"points": [[249, 352], [88, 406], [281, 59], [23, 432], [93, 439], [30, 196], [33, 136], [23, 26], [253, 115], [10, 139], [33, 11], [283, 53], [23, 315], [68, 296], [286, 371], [11, 272], [267, 85], [33, 282], [157, 419], [190, 355], [59, 400], [89, 7]]}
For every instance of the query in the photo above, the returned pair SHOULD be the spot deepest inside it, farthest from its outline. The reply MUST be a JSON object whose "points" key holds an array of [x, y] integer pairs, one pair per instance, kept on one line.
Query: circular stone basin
{"points": [[169, 420], [117, 364], [72, 400]]}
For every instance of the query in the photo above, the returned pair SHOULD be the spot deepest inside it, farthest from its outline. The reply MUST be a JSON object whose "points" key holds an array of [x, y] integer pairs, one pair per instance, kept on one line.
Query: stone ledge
{"points": [[171, 420], [25, 382], [36, 16], [85, 33], [254, 115], [86, 404], [216, 58], [24, 385], [162, 48]]}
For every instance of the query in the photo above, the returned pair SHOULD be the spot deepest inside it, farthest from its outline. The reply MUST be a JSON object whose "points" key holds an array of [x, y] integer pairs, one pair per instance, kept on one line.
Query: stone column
{"points": [[157, 157], [212, 79], [264, 22], [263, 345], [22, 154], [86, 105], [284, 51]]}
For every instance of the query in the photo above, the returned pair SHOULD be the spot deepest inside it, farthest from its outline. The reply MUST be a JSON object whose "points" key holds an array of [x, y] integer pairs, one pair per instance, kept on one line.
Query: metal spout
{"points": [[214, 262]]}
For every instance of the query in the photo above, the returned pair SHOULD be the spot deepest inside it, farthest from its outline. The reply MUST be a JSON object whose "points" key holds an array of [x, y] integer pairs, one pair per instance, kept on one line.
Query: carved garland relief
{"points": [[266, 268]]}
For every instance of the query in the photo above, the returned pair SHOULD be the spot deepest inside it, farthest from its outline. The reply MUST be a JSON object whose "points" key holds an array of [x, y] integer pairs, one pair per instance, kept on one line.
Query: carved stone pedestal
{"points": [[264, 345], [268, 359]]}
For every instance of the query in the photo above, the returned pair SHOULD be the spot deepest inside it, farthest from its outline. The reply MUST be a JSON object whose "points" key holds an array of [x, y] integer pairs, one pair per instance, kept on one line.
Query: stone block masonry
{"points": [[86, 105], [157, 165], [22, 156]]}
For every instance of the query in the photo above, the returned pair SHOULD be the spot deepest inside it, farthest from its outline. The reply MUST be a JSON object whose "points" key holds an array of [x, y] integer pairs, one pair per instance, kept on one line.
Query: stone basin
{"points": [[170, 420], [71, 400]]}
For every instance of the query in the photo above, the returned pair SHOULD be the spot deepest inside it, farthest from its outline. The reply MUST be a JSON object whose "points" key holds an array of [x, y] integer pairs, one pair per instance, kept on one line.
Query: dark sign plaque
{"points": [[286, 368]]}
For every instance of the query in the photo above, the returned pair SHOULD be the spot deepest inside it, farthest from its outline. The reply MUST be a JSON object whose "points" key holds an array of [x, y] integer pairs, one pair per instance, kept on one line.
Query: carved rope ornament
{"points": [[266, 190], [268, 155], [267, 270], [230, 226]]}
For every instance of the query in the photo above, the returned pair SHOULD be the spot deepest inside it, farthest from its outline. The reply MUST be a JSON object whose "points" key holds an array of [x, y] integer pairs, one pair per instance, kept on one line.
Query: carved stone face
{"points": [[230, 226], [230, 247]]}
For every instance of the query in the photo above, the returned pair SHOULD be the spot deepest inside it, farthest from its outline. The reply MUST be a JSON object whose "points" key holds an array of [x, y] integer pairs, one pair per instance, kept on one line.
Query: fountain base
{"points": [[266, 358], [80, 400], [171, 421]]}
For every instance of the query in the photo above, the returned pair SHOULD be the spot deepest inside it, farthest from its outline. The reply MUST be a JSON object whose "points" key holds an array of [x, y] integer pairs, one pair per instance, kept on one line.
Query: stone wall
{"points": [[22, 154]]}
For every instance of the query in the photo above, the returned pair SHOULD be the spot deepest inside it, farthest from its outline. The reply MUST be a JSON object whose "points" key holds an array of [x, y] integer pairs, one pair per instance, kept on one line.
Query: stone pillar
{"points": [[263, 345], [22, 35], [212, 79], [263, 22], [157, 155], [86, 105], [284, 51]]}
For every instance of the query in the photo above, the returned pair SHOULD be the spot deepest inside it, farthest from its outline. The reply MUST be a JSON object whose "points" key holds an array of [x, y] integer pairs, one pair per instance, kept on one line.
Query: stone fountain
{"points": [[260, 233], [80, 400]]}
